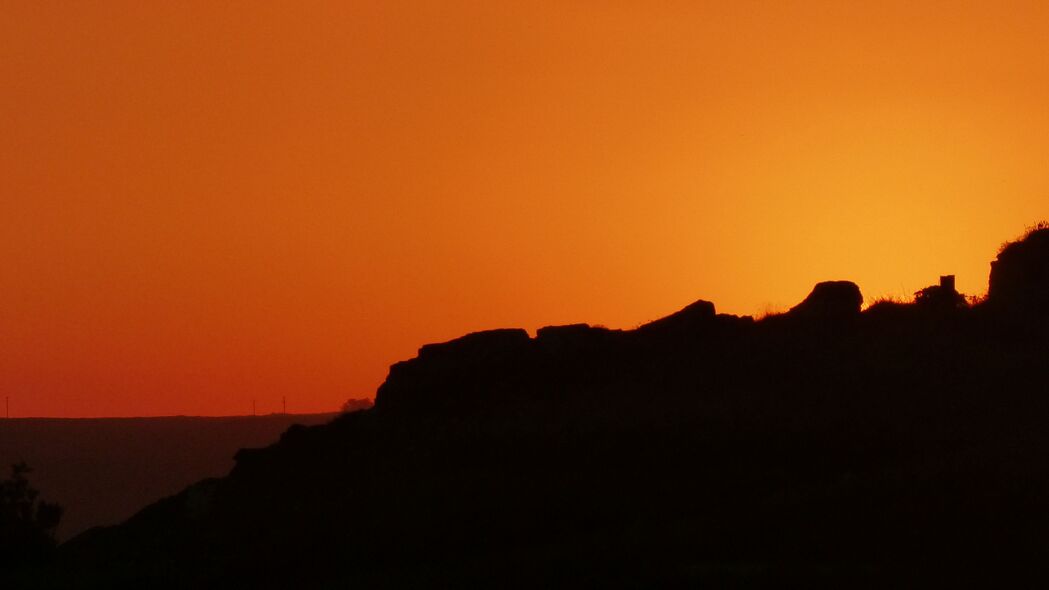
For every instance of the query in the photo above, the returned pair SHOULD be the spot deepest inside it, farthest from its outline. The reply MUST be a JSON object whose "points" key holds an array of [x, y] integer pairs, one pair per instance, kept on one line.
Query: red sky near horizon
{"points": [[205, 204]]}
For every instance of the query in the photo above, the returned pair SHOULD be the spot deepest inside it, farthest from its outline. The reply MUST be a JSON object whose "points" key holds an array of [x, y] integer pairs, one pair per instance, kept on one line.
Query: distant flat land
{"points": [[103, 470]]}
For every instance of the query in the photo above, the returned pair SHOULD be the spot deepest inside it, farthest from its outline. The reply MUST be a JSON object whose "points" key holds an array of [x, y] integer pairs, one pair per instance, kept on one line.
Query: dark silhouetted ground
{"points": [[902, 446]]}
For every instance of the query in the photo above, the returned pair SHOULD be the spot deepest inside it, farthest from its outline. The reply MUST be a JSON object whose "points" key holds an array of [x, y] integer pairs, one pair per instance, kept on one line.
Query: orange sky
{"points": [[204, 204]]}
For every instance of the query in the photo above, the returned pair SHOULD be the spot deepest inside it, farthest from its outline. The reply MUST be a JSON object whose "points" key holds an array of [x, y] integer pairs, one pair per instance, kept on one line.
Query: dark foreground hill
{"points": [[103, 470], [904, 446]]}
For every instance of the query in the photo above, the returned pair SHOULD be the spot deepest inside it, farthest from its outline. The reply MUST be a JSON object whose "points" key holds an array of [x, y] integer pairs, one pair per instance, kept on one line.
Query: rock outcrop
{"points": [[571, 338], [454, 372], [695, 316]]}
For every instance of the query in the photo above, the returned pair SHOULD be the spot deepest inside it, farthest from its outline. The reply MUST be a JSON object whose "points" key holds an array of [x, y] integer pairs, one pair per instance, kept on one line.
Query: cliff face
{"points": [[1020, 275], [822, 445]]}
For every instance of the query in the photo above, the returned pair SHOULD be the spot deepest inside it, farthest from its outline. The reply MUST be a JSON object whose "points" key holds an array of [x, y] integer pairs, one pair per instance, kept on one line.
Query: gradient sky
{"points": [[203, 203]]}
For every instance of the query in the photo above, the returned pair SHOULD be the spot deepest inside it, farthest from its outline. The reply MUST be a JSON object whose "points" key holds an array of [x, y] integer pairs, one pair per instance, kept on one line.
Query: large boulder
{"points": [[831, 299], [1020, 275]]}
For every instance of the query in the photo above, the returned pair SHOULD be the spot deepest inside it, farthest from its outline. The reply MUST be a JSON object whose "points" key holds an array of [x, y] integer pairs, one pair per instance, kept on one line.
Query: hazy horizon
{"points": [[259, 415]]}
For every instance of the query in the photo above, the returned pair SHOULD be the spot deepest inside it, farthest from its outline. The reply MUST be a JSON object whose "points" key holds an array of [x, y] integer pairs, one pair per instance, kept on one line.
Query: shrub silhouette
{"points": [[27, 524], [936, 296]]}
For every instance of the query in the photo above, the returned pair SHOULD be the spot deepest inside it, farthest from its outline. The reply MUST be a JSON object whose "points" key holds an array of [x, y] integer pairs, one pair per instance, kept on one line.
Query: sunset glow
{"points": [[202, 205]]}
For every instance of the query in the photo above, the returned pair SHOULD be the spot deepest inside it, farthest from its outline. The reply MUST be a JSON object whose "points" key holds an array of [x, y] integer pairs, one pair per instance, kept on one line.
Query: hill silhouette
{"points": [[904, 445]]}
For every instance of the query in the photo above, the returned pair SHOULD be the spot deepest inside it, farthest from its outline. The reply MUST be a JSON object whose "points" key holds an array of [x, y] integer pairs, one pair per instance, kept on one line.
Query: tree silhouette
{"points": [[27, 524], [354, 404]]}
